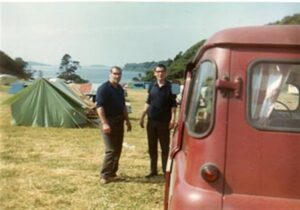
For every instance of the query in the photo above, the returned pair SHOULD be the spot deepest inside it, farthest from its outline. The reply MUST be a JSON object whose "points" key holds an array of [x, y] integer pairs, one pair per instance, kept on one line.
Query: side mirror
{"points": [[175, 88]]}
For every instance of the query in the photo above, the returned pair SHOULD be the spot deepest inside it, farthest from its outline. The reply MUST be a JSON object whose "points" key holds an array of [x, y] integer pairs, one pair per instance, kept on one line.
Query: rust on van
{"points": [[237, 143]]}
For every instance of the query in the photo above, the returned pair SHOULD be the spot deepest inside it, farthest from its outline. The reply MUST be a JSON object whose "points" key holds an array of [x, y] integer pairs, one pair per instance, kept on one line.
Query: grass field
{"points": [[56, 168]]}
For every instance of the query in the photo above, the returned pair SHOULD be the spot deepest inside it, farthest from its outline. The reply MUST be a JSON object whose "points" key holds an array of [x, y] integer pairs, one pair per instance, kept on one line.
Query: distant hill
{"points": [[145, 66], [177, 67], [33, 63], [98, 66], [288, 20]]}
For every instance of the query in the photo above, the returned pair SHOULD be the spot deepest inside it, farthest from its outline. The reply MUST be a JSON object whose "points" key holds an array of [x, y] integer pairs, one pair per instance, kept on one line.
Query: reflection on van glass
{"points": [[275, 96], [200, 112]]}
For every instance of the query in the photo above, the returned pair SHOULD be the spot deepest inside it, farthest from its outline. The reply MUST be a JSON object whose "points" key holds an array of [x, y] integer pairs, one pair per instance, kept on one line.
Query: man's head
{"points": [[115, 75], [160, 72]]}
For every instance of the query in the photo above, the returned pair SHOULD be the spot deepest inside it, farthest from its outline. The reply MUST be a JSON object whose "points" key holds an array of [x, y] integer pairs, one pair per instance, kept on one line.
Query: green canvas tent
{"points": [[43, 104]]}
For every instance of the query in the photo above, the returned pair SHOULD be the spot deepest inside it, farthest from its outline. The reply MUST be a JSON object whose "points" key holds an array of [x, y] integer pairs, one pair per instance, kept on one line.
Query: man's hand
{"points": [[172, 124], [128, 124], [144, 113], [106, 128], [142, 122]]}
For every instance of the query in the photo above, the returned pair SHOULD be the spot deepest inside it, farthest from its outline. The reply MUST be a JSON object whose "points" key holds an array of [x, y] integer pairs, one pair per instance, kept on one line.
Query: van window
{"points": [[274, 96], [200, 111]]}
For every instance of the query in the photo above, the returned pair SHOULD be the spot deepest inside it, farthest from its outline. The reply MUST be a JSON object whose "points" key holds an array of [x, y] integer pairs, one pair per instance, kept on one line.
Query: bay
{"points": [[93, 74]]}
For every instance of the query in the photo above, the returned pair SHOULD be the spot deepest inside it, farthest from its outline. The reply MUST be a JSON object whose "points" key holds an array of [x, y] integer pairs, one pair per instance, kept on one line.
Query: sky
{"points": [[116, 33]]}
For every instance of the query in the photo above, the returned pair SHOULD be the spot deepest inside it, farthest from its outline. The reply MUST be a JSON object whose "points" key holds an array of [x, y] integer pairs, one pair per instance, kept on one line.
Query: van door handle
{"points": [[225, 85]]}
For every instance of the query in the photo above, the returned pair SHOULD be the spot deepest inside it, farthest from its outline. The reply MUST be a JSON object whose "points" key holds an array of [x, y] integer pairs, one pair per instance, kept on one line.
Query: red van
{"points": [[237, 144]]}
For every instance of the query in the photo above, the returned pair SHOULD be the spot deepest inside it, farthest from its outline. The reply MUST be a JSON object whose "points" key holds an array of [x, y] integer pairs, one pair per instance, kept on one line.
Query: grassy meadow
{"points": [[58, 168]]}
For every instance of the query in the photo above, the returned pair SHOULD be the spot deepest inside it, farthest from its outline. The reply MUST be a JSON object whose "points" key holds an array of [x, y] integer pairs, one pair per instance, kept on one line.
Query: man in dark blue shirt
{"points": [[112, 111], [161, 109]]}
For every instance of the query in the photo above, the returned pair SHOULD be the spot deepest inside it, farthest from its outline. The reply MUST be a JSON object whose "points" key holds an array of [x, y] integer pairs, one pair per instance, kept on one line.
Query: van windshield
{"points": [[274, 96], [200, 111]]}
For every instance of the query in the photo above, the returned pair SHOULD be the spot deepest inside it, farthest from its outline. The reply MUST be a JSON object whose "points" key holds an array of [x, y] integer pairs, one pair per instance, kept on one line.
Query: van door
{"points": [[262, 164]]}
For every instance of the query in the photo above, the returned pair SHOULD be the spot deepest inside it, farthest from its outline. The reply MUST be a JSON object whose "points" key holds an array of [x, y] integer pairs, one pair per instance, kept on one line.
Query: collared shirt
{"points": [[112, 99], [160, 100]]}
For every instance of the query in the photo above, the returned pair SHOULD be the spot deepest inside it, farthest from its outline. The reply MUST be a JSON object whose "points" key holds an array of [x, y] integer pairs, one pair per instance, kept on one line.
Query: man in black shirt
{"points": [[161, 109], [112, 111]]}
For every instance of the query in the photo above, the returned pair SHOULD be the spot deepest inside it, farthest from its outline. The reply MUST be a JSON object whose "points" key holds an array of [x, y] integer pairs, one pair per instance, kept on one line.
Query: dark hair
{"points": [[161, 66], [115, 67]]}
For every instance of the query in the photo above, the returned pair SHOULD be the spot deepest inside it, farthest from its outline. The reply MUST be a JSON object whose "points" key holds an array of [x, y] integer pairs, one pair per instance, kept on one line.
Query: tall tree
{"points": [[68, 68]]}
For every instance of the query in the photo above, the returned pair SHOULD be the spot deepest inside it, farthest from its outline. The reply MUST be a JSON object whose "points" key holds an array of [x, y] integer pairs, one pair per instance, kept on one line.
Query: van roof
{"points": [[269, 35], [258, 35]]}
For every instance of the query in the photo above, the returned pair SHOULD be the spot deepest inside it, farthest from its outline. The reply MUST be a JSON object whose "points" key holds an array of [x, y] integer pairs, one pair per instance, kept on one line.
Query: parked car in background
{"points": [[237, 144]]}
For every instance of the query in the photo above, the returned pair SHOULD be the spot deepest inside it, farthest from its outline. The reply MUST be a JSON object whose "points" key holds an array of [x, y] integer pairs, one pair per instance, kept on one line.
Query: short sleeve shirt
{"points": [[160, 100], [112, 99]]}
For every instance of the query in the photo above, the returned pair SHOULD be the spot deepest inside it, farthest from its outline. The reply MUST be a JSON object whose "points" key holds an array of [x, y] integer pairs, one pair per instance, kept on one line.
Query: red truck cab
{"points": [[237, 144]]}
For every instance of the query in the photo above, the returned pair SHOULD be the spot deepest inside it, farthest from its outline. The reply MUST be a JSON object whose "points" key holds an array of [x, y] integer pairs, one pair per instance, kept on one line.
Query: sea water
{"points": [[97, 74]]}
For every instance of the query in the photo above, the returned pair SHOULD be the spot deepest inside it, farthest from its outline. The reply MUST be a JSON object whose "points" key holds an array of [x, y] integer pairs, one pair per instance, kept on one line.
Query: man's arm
{"points": [[103, 120], [126, 118], [146, 107], [173, 118]]}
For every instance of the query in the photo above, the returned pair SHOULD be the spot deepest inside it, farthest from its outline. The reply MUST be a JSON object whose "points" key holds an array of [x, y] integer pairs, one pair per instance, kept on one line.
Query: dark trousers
{"points": [[113, 148], [158, 131]]}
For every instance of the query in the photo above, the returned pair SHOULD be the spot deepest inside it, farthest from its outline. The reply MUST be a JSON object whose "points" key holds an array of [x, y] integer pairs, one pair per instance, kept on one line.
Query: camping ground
{"points": [[58, 168]]}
